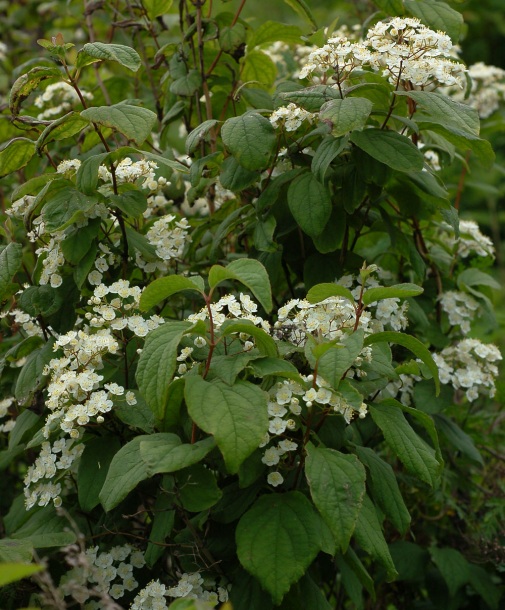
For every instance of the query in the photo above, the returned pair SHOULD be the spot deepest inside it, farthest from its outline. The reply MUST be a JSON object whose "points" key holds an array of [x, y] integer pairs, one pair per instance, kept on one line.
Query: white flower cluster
{"points": [[39, 487], [402, 388], [20, 206], [403, 49], [58, 98], [487, 91], [117, 307], [460, 307], [190, 586], [105, 259], [335, 317], [290, 117], [169, 236], [6, 426], [471, 242], [25, 321], [228, 307], [469, 365], [108, 573], [52, 262]]}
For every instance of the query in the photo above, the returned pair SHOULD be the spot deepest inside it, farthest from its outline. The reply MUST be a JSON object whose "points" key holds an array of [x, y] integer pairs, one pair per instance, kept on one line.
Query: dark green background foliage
{"points": [[389, 498]]}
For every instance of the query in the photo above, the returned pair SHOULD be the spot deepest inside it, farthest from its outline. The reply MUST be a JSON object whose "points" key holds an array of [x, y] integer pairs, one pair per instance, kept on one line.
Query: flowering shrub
{"points": [[239, 306]]}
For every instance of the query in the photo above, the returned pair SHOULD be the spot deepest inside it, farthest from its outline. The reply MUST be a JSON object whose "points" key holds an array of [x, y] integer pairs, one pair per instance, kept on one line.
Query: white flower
{"points": [[275, 478]]}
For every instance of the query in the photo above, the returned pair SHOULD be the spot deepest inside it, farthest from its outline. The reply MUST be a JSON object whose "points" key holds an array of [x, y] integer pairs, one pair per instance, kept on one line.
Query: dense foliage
{"points": [[247, 351]]}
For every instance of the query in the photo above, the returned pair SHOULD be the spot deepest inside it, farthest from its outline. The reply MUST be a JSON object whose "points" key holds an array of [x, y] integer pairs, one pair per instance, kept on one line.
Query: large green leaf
{"points": [[400, 291], [458, 438], [97, 51], [31, 378], [453, 567], [158, 362], [249, 272], [64, 127], [16, 155], [134, 122], [417, 456], [198, 134], [384, 488], [277, 540], [235, 415], [438, 16], [328, 150], [346, 115], [272, 31], [198, 489], [459, 118], [26, 83], [264, 342], [12, 572], [303, 9], [412, 344], [337, 487], [339, 358], [127, 469], [259, 68], [156, 8], [165, 456], [310, 203], [481, 148], [320, 292], [66, 207], [10, 262], [369, 536], [390, 148], [44, 528], [93, 466], [250, 138], [164, 287]]}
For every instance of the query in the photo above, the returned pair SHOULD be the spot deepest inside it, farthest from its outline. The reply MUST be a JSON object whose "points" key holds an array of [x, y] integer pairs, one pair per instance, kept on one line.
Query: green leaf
{"points": [[458, 438], [157, 8], [165, 287], [250, 138], [400, 291], [235, 415], [390, 148], [475, 277], [276, 367], [272, 31], [198, 489], [310, 203], [10, 263], [99, 51], [263, 341], [30, 378], [368, 534], [416, 455], [438, 16], [26, 83], [320, 292], [277, 540], [12, 572], [163, 523], [25, 423], [232, 37], [483, 584], [459, 118], [134, 122], [60, 129], [93, 466], [453, 567], [235, 177], [384, 488], [337, 487], [77, 244], [165, 455], [132, 203], [66, 207], [15, 550], [346, 115], [227, 368], [258, 68], [337, 359], [198, 135], [303, 9], [326, 152], [158, 362], [188, 84], [311, 98], [44, 529], [138, 416], [412, 344], [249, 272], [16, 155], [390, 7], [86, 179], [354, 576], [481, 148], [127, 470]]}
